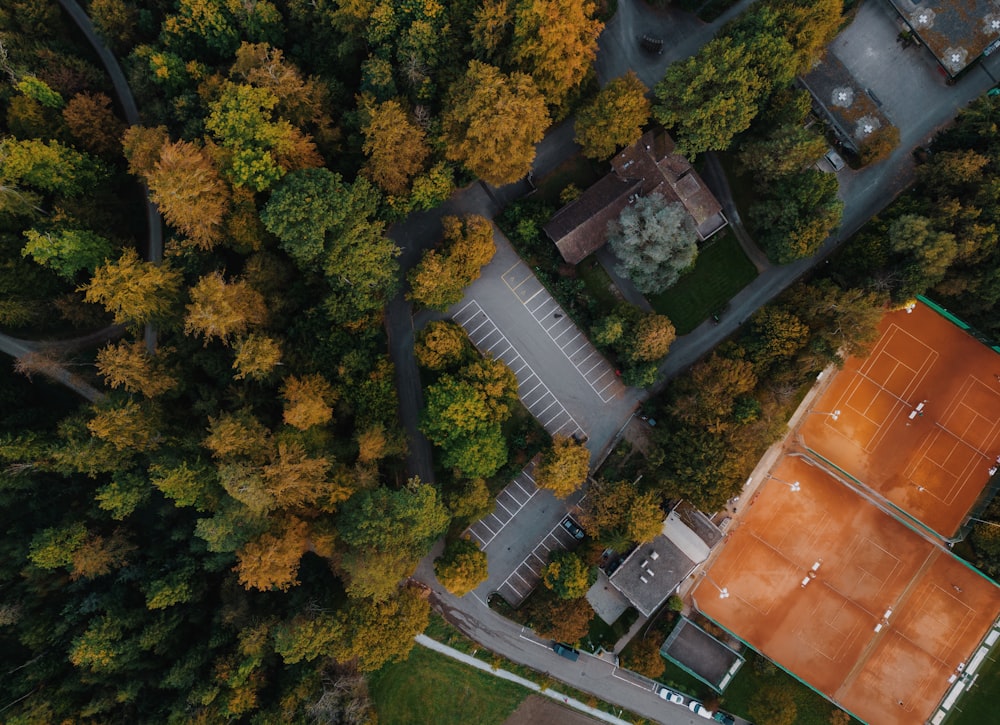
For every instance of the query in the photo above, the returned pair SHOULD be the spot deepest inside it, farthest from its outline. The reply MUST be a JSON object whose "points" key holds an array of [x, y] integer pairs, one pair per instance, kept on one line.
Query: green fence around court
{"points": [[961, 324]]}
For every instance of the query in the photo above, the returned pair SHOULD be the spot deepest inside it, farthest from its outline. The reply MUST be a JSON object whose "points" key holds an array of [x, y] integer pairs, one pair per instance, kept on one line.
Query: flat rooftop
{"points": [[651, 573], [878, 617], [957, 32], [918, 421]]}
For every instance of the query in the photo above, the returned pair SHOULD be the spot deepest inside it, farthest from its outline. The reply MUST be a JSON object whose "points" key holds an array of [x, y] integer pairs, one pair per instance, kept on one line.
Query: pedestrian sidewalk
{"points": [[426, 641]]}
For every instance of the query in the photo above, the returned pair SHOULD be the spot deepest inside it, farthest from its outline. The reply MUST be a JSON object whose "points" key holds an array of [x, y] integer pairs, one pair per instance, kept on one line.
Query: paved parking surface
{"points": [[509, 501], [582, 355], [535, 394], [523, 580]]}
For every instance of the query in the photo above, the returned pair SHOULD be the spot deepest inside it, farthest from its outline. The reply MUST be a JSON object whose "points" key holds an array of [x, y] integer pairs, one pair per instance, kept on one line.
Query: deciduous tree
{"points": [[271, 561], [256, 356], [710, 97], [396, 147], [555, 41], [406, 520], [134, 291], [797, 214], [442, 275], [651, 338], [655, 241], [221, 309], [93, 123], [564, 466], [129, 365], [128, 426], [308, 401], [67, 251], [381, 632], [189, 192], [619, 514], [462, 567], [492, 122], [441, 344], [567, 575], [614, 118]]}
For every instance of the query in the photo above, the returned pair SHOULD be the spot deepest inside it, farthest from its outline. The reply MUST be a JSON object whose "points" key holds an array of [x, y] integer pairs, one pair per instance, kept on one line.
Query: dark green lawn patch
{"points": [[979, 705], [605, 635], [600, 289], [811, 707], [431, 688], [721, 271]]}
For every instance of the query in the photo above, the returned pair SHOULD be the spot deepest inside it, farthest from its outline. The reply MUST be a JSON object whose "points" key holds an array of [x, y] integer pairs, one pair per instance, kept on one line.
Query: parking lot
{"points": [[523, 580], [535, 394], [578, 350], [509, 501]]}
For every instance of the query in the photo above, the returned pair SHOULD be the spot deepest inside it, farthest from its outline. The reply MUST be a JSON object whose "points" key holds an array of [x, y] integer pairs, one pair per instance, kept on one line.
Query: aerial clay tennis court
{"points": [[869, 611], [918, 421]]}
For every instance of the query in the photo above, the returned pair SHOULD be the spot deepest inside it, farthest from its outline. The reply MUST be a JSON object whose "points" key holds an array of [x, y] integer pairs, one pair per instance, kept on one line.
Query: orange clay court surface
{"points": [[864, 563], [932, 464]]}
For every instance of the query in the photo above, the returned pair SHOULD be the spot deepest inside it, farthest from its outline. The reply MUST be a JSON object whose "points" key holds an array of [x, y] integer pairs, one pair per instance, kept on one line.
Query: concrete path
{"points": [[511, 677]]}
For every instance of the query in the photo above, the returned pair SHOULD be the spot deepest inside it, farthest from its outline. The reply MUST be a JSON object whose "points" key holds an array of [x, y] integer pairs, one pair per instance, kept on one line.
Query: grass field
{"points": [[431, 688], [979, 705], [721, 271]]}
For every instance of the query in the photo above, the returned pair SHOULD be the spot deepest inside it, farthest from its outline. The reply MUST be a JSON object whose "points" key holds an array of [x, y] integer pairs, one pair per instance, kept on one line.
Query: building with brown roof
{"points": [[648, 166]]}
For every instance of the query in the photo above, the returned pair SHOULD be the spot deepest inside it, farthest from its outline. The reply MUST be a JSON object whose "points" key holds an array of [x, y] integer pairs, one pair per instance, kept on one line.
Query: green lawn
{"points": [[721, 271], [432, 688], [979, 705]]}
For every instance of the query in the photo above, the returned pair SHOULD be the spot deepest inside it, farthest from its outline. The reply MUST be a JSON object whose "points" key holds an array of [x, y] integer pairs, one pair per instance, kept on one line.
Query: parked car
{"points": [[835, 160], [564, 650], [671, 696], [570, 525], [700, 710], [724, 717]]}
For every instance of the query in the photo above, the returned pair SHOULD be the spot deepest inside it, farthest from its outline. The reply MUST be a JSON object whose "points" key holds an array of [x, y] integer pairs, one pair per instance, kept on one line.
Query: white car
{"points": [[698, 709], [670, 696]]}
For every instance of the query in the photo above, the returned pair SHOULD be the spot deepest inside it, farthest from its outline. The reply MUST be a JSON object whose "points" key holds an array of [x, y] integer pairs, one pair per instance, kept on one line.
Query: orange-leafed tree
{"points": [[221, 309], [308, 401], [189, 191], [492, 121], [564, 466], [555, 41], [271, 561], [396, 147], [129, 365]]}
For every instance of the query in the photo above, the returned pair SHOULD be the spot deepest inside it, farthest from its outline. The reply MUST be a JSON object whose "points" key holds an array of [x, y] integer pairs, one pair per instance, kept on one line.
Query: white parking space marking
{"points": [[524, 483], [529, 570], [534, 393], [556, 324]]}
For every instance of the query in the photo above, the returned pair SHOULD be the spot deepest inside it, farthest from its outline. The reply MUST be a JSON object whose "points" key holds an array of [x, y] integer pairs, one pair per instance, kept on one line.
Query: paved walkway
{"points": [[511, 677]]}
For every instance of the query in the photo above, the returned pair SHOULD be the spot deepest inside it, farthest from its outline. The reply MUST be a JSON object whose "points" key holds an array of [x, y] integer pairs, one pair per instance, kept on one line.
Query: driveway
{"points": [[682, 33]]}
